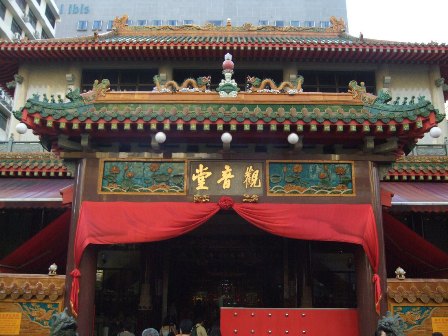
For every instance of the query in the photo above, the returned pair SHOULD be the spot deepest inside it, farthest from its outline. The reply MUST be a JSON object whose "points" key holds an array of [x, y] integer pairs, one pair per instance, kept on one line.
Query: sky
{"points": [[399, 20]]}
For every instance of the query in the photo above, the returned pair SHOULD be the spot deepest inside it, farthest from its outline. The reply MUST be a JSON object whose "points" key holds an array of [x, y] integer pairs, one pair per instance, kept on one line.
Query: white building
{"points": [[33, 19], [82, 17], [23, 20]]}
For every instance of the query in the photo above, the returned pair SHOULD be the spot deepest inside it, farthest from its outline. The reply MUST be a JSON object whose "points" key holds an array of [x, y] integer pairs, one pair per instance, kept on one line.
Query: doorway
{"points": [[226, 262]]}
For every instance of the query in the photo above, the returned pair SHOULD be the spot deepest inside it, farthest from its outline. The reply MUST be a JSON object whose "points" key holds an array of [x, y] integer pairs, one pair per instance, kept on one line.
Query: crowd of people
{"points": [[169, 328]]}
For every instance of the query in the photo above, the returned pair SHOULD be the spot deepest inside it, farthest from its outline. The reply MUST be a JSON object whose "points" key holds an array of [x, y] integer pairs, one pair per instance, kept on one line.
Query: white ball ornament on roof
{"points": [[293, 138], [21, 128], [435, 132], [226, 138], [160, 137]]}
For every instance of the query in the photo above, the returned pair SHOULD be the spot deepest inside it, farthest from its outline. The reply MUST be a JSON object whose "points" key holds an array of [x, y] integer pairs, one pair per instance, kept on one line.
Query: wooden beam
{"points": [[64, 142], [389, 146]]}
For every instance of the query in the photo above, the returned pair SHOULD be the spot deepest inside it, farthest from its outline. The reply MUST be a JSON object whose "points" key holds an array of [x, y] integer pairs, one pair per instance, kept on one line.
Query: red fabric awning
{"points": [[32, 192], [39, 252], [135, 222], [407, 249], [418, 196]]}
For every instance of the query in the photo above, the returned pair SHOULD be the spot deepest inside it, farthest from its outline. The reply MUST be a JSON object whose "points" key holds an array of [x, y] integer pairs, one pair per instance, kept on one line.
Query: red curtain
{"points": [[131, 222]]}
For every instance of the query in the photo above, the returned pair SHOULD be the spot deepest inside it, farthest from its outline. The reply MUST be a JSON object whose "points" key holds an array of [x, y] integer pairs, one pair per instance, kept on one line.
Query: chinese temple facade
{"points": [[233, 173]]}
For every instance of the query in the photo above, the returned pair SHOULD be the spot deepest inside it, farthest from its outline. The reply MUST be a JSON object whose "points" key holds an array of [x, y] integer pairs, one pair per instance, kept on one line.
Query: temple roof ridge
{"points": [[209, 33]]}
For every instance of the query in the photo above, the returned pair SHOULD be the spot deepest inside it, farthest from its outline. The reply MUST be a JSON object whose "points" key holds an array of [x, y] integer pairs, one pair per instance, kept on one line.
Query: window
{"points": [[120, 80], [110, 24], [32, 19], [2, 10], [217, 23], [38, 1], [325, 24], [263, 22], [279, 23], [50, 16], [336, 81], [156, 22], [308, 24], [295, 23], [172, 23], [188, 22], [82, 25], [15, 28], [44, 35], [142, 22], [97, 25], [21, 4], [3, 122]]}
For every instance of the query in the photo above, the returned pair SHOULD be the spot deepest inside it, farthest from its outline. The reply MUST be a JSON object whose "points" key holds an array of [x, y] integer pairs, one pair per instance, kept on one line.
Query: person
{"points": [[437, 333], [214, 331], [380, 332], [168, 327], [185, 327], [125, 331], [200, 329], [150, 332]]}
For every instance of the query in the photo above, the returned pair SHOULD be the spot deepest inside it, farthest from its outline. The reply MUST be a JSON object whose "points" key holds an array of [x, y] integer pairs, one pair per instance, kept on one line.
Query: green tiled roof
{"points": [[173, 112], [34, 164], [419, 168], [167, 39]]}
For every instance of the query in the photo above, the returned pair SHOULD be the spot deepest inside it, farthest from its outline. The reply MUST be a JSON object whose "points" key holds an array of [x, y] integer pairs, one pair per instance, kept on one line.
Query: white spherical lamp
{"points": [[435, 132], [160, 137], [293, 138], [21, 128], [226, 138]]}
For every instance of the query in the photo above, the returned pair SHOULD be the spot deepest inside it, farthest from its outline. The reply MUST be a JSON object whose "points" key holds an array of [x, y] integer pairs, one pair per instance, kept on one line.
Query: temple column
{"points": [[289, 70], [19, 100], [167, 70], [86, 314], [438, 100], [365, 287]]}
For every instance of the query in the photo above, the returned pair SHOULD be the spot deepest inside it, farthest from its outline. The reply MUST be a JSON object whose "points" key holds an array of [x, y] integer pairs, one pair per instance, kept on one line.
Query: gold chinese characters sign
{"points": [[226, 177]]}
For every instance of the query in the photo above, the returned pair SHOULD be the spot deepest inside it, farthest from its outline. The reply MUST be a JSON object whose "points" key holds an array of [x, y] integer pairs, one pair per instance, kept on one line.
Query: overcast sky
{"points": [[399, 20]]}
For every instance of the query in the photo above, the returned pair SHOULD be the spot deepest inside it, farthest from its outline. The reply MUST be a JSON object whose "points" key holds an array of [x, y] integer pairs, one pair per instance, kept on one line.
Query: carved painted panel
{"points": [[310, 178], [419, 319], [156, 177]]}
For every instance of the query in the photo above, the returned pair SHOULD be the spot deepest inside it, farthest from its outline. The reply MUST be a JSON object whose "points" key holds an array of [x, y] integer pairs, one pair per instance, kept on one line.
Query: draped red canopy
{"points": [[46, 247], [400, 247], [135, 222]]}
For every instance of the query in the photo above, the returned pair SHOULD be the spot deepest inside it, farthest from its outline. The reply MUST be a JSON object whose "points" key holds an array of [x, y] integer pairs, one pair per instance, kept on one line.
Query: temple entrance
{"points": [[243, 267], [226, 262]]}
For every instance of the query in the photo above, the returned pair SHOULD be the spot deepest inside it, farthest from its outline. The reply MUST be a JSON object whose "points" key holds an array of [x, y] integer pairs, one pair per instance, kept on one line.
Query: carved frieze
{"points": [[418, 291], [31, 287]]}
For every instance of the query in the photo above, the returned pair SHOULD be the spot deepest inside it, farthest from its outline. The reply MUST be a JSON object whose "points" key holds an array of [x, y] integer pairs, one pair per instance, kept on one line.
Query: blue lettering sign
{"points": [[77, 9]]}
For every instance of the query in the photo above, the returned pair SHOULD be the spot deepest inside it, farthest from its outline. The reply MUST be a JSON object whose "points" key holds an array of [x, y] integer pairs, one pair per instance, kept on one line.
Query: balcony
{"points": [[430, 150], [21, 146]]}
